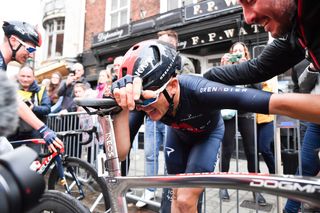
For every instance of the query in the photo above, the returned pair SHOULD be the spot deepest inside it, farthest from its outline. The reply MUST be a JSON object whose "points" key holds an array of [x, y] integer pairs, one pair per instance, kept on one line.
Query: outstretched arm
{"points": [[29, 117], [300, 106]]}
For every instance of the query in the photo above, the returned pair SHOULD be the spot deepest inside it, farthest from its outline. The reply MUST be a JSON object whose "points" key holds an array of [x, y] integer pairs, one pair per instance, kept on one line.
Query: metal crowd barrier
{"points": [[62, 123], [211, 199]]}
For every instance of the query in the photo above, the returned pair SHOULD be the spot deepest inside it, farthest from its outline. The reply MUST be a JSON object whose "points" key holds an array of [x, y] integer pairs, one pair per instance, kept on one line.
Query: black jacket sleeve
{"points": [[212, 95], [276, 58]]}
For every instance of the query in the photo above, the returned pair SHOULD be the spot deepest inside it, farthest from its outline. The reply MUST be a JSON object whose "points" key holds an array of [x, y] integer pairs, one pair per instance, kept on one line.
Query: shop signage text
{"points": [[218, 36], [209, 7], [107, 36]]}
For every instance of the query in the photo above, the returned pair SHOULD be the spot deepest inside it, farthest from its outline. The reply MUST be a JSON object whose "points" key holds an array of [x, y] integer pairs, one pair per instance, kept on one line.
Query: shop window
{"points": [[117, 13], [55, 37], [171, 5]]}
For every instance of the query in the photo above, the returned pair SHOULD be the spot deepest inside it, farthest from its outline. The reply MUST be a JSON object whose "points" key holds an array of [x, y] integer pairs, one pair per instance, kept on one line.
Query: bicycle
{"points": [[72, 175], [304, 189]]}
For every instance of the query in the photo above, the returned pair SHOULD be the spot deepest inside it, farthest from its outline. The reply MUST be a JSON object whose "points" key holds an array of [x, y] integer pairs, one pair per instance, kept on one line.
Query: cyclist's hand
{"points": [[126, 91], [50, 138]]}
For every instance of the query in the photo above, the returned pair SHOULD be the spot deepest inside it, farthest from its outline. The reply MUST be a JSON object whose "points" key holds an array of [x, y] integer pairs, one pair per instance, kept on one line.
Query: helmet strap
{"points": [[170, 101], [14, 51]]}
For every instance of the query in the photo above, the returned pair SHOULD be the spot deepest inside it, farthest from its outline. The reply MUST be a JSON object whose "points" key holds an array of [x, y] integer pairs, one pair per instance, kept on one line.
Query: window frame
{"points": [[52, 32], [118, 10]]}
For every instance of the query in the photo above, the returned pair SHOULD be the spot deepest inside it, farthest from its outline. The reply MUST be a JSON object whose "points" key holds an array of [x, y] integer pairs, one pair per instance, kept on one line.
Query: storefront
{"points": [[206, 31]]}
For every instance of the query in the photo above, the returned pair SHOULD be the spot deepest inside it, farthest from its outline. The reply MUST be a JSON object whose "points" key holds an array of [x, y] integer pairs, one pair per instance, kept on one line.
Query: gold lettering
{"points": [[242, 31], [212, 36], [211, 5], [255, 28], [195, 40], [231, 2], [196, 9], [229, 33]]}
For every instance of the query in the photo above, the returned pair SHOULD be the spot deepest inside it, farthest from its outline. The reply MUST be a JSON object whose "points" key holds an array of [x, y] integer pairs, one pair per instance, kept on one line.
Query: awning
{"points": [[46, 72]]}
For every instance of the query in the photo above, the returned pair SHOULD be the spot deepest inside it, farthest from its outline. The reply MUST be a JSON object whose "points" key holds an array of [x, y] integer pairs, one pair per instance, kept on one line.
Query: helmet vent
{"points": [[135, 47], [124, 71], [156, 53]]}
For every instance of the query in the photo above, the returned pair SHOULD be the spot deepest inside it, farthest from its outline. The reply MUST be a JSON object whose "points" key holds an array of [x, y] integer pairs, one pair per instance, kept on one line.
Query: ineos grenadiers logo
{"points": [[168, 68], [143, 66]]}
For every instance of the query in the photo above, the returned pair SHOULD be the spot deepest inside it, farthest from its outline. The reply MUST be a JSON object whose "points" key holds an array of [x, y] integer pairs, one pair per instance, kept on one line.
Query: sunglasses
{"points": [[29, 48], [148, 102]]}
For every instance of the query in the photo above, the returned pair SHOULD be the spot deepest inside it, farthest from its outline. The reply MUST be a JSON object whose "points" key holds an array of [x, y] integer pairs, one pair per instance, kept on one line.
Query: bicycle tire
{"points": [[57, 202], [92, 185]]}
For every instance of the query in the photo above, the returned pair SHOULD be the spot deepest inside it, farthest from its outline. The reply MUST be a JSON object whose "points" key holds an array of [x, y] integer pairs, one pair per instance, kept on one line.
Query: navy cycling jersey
{"points": [[201, 100], [3, 65]]}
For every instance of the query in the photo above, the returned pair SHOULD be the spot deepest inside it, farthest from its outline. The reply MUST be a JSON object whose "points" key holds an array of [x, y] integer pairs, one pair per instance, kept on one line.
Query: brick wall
{"points": [[152, 7], [95, 20]]}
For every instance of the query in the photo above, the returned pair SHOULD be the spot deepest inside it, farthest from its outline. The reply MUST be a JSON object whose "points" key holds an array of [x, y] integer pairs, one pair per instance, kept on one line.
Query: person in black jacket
{"points": [[66, 88], [293, 24]]}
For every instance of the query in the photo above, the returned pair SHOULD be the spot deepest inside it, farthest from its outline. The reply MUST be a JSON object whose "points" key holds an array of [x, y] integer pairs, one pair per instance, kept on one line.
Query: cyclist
{"points": [[21, 40], [190, 105], [292, 23]]}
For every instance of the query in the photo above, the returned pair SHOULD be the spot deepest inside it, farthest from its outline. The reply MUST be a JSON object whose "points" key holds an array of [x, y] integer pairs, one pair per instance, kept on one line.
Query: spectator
{"points": [[292, 24], [239, 53], [52, 89], [309, 82], [45, 82], [18, 46], [265, 134], [38, 101], [171, 37], [66, 87], [104, 83], [116, 65], [86, 121]]}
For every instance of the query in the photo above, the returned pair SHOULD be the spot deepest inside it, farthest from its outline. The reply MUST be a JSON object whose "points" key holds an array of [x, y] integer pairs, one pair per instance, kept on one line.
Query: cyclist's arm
{"points": [[300, 106], [275, 59], [29, 117], [219, 96], [122, 133]]}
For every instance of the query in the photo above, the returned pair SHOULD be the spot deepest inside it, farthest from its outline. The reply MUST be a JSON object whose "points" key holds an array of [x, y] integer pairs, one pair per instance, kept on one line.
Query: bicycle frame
{"points": [[48, 159], [304, 189]]}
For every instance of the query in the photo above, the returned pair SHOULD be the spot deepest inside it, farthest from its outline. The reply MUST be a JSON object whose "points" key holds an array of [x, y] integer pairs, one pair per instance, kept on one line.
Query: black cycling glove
{"points": [[122, 82], [47, 134]]}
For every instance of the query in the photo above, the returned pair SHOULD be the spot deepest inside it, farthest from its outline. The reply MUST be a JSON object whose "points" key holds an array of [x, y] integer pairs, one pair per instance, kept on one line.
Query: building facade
{"points": [[63, 38], [206, 29], [94, 32]]}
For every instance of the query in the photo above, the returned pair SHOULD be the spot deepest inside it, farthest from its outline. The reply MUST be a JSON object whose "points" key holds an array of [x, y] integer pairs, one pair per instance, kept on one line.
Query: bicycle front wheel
{"points": [[56, 202], [84, 184]]}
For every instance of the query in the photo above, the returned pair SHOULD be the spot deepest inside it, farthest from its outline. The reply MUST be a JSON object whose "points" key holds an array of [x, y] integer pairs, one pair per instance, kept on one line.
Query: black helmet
{"points": [[23, 31], [154, 61]]}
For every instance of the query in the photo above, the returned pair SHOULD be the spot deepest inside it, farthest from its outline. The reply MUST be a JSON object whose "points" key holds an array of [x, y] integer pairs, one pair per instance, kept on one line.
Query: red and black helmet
{"points": [[154, 61], [23, 31]]}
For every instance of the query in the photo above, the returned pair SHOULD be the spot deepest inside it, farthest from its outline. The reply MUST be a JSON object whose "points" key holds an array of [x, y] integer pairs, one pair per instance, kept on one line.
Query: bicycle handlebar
{"points": [[38, 141], [90, 132], [103, 106]]}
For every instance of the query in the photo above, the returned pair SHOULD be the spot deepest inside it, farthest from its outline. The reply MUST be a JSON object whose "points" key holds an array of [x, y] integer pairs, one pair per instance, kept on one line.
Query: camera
{"points": [[20, 187], [234, 58]]}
